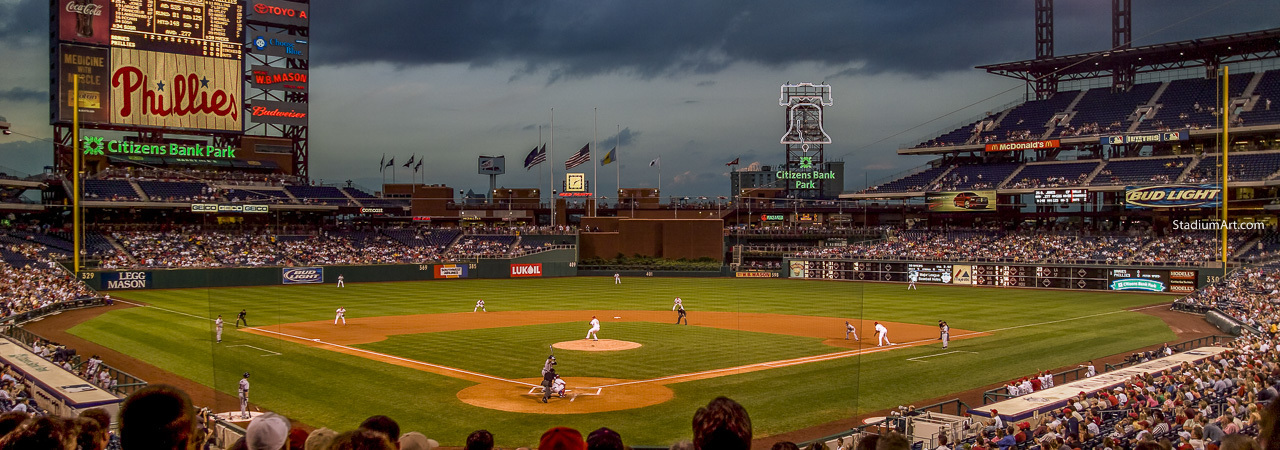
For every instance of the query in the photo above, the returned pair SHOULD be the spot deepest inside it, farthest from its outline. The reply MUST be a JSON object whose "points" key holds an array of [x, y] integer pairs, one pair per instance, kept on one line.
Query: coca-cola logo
{"points": [[88, 9], [187, 95], [279, 11]]}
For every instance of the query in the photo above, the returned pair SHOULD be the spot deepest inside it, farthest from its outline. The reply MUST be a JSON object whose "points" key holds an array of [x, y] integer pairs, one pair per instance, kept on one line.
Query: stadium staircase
{"points": [[1069, 110], [1012, 176], [1195, 162], [1252, 86], [141, 194], [1154, 105], [1096, 170]]}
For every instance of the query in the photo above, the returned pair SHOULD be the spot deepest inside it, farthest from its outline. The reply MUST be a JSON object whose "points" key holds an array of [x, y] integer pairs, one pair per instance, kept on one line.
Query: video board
{"points": [[1181, 281], [210, 28], [1057, 196]]}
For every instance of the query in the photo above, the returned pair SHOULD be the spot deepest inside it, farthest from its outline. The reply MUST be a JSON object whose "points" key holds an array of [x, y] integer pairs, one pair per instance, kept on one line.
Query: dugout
{"points": [[55, 389]]}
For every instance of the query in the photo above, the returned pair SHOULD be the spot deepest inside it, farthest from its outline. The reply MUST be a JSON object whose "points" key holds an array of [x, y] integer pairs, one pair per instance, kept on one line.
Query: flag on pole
{"points": [[610, 157], [577, 159], [382, 164], [390, 163], [419, 166], [734, 162], [410, 163], [537, 156], [656, 162]]}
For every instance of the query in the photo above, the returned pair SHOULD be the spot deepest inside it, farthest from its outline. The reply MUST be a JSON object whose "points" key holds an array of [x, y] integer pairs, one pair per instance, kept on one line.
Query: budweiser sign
{"points": [[171, 90], [282, 113]]}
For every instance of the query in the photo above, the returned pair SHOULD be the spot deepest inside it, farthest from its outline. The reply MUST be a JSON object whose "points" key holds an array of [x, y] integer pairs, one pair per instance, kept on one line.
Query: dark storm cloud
{"points": [[623, 138], [24, 22], [673, 37], [19, 94]]}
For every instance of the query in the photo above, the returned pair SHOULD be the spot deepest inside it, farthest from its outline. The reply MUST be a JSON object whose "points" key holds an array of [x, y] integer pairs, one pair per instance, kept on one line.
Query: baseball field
{"points": [[416, 352]]}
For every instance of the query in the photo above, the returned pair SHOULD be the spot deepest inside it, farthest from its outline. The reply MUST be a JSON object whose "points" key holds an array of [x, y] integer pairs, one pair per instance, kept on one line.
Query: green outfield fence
{"points": [[1067, 376]]}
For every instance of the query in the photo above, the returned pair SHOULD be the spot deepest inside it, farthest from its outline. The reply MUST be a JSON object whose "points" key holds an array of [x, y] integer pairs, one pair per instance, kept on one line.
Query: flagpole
{"points": [[383, 170], [659, 174], [617, 164], [552, 157], [535, 156], [595, 135]]}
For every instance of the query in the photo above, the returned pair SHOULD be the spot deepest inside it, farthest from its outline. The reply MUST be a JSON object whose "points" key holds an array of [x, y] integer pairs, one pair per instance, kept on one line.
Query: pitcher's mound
{"points": [[603, 345]]}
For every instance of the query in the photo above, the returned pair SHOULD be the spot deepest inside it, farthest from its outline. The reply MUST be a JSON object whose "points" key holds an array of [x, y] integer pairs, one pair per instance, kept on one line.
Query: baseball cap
{"points": [[562, 438], [414, 440], [604, 439], [267, 432]]}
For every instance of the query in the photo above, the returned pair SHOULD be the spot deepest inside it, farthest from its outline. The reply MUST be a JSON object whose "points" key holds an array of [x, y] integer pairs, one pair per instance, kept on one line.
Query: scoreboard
{"points": [[1056, 196], [211, 28], [1009, 275]]}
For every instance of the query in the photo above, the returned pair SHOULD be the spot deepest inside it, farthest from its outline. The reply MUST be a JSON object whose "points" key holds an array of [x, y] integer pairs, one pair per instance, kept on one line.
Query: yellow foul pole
{"points": [[1226, 143], [75, 174]]}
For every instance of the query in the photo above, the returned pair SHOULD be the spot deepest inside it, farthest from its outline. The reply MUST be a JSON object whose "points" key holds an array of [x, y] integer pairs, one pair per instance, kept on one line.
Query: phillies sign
{"points": [[278, 78], [174, 91], [279, 12]]}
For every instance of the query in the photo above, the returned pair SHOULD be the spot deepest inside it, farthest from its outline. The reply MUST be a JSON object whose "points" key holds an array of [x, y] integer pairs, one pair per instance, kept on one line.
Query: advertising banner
{"points": [[280, 44], [755, 274], [493, 165], [1172, 196], [526, 270], [278, 12], [452, 271], [85, 21], [279, 79], [98, 145], [280, 113], [301, 275], [1164, 136], [966, 201], [1015, 146], [175, 91], [962, 274], [93, 66], [126, 280]]}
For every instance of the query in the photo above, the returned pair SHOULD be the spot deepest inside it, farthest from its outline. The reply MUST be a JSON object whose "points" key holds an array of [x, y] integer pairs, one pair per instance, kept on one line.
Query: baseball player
{"points": [[342, 315], [479, 306], [912, 276], [682, 315], [558, 386], [548, 380], [617, 278], [244, 396], [679, 304], [946, 333], [340, 279], [217, 328], [549, 365], [849, 329], [243, 316], [882, 334], [595, 326], [1089, 370]]}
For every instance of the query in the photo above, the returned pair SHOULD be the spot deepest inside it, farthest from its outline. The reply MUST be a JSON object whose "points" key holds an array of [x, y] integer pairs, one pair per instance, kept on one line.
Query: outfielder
{"points": [[479, 306], [946, 333], [849, 329], [682, 315], [883, 334], [217, 327], [617, 278], [244, 396], [679, 304], [340, 283], [342, 314], [912, 277], [595, 326]]}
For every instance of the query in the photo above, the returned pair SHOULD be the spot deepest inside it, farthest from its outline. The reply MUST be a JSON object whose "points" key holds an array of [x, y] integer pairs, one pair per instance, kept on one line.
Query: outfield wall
{"points": [[551, 263], [1171, 280]]}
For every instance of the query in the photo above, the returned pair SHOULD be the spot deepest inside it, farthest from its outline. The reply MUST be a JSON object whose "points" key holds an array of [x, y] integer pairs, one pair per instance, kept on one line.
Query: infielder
{"points": [[342, 315], [595, 326], [617, 278], [946, 333], [479, 306], [912, 276], [682, 315], [340, 283], [849, 329], [883, 334], [679, 304], [243, 316], [244, 396], [217, 327]]}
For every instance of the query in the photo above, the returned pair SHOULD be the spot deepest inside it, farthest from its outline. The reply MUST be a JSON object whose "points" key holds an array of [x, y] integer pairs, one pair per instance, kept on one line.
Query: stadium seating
{"points": [[110, 190], [1030, 118], [1053, 175], [1245, 166], [1189, 103], [1107, 112], [976, 176], [1265, 112], [276, 196], [911, 183], [319, 195], [1141, 171], [176, 191]]}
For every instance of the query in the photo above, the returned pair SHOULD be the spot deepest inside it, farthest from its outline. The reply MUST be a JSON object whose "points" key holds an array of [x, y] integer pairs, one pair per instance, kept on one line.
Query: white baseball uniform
{"points": [[217, 327], [479, 306], [558, 386], [883, 334], [244, 398], [911, 278], [677, 304], [946, 334], [617, 278], [342, 314], [340, 283], [595, 326], [849, 329]]}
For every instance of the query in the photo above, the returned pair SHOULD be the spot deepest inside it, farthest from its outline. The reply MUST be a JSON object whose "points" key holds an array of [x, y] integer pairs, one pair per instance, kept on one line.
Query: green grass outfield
{"points": [[1033, 330]]}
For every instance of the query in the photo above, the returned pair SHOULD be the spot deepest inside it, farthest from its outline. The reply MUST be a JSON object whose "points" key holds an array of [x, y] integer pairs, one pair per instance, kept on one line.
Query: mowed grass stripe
{"points": [[667, 349], [323, 388]]}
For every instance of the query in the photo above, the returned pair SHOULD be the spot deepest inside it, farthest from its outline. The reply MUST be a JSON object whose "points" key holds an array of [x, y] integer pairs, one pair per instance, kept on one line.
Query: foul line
{"points": [[257, 348], [919, 358]]}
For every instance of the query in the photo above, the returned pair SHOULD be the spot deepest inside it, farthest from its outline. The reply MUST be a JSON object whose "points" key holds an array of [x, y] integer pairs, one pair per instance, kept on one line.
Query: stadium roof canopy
{"points": [[1203, 52]]}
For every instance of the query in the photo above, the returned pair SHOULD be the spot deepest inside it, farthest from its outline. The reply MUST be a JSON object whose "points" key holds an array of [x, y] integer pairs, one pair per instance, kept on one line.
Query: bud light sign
{"points": [[302, 275]]}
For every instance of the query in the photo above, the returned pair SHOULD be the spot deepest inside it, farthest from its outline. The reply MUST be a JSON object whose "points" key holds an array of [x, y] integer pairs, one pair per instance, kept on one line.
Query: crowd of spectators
{"points": [[1248, 295], [32, 280], [1049, 182], [238, 177], [987, 245]]}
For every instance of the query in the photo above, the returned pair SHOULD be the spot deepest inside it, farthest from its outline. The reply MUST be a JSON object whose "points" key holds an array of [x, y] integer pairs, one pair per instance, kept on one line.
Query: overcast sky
{"points": [[695, 82]]}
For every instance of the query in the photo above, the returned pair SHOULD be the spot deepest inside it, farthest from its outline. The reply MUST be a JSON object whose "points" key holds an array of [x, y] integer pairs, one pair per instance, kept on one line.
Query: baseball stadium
{"points": [[1095, 265]]}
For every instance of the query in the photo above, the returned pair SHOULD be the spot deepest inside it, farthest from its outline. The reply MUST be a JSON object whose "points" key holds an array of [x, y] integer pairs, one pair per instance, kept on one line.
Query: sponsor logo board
{"points": [[280, 44], [1172, 196], [280, 113], [126, 280], [175, 91], [301, 275], [526, 270], [93, 67], [279, 78], [85, 21], [279, 12], [451, 271], [755, 274], [1015, 146]]}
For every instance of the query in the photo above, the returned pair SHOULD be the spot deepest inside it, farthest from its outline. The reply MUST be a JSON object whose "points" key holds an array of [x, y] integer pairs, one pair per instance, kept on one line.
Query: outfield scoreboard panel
{"points": [[1001, 275], [1057, 196], [211, 28]]}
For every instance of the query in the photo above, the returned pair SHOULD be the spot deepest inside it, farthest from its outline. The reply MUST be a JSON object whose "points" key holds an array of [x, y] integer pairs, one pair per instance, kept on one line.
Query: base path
{"points": [[592, 394]]}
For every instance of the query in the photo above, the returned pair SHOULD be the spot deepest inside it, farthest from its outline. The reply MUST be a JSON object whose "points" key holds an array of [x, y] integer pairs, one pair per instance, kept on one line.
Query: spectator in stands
{"points": [[785, 445], [414, 440], [361, 439], [320, 439], [893, 440], [51, 433], [157, 417], [722, 425], [604, 439], [480, 440], [382, 424], [268, 431], [562, 438]]}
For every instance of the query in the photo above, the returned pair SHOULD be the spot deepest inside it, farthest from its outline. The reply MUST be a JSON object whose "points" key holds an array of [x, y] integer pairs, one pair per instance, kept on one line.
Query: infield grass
{"points": [[1032, 330]]}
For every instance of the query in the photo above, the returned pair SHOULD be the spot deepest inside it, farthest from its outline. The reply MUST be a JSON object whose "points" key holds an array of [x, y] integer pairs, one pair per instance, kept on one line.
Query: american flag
{"points": [[577, 159], [537, 156]]}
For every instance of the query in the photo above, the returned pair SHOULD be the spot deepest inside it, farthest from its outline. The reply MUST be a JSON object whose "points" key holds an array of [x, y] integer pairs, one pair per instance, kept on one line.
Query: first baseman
{"points": [[946, 333], [342, 314], [595, 326], [849, 329]]}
